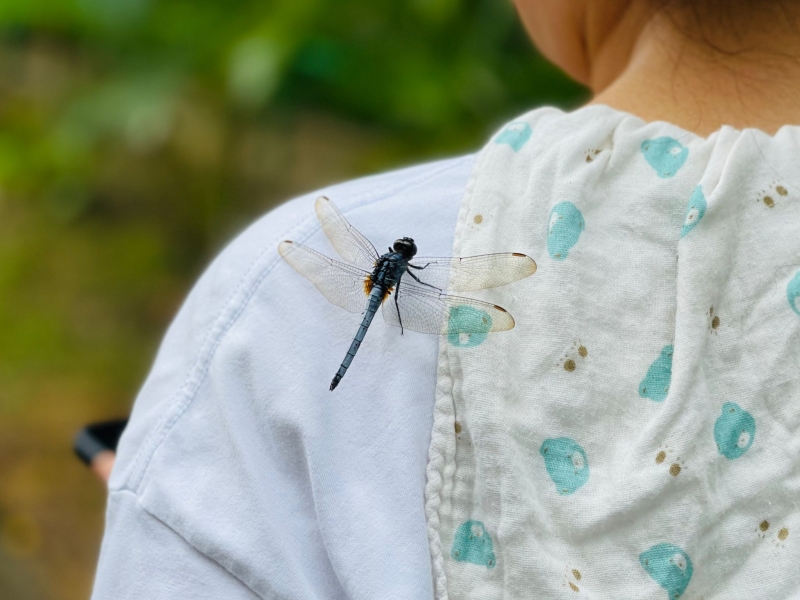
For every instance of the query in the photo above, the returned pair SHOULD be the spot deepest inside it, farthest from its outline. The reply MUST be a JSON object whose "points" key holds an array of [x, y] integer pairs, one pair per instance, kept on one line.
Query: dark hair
{"points": [[720, 23], [719, 7]]}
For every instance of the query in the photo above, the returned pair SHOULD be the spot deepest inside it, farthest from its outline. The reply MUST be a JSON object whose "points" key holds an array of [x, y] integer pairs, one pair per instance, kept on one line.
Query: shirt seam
{"points": [[443, 415], [147, 512]]}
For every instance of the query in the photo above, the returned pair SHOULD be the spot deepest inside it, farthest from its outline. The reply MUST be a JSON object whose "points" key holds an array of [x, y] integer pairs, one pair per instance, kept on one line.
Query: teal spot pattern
{"points": [[734, 431], [665, 154], [793, 293], [655, 385], [515, 135], [473, 544], [566, 463], [566, 225], [695, 210], [468, 326], [670, 567]]}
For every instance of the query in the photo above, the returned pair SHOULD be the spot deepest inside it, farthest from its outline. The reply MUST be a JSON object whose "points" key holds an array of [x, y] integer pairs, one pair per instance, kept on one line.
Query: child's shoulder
{"points": [[235, 430], [249, 281]]}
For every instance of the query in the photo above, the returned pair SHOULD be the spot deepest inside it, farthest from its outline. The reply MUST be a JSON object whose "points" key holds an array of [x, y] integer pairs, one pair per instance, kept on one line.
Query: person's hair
{"points": [[719, 23], [721, 7]]}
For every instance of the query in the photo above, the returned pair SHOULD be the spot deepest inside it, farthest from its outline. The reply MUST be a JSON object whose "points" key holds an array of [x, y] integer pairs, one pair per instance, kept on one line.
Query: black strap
{"points": [[97, 437]]}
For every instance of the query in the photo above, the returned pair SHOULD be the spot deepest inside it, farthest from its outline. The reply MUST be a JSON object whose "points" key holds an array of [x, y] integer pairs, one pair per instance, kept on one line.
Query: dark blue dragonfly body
{"points": [[385, 277], [419, 302]]}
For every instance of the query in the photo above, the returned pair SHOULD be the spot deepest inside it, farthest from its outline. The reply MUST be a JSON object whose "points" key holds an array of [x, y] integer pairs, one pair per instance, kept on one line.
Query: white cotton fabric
{"points": [[637, 435], [240, 475]]}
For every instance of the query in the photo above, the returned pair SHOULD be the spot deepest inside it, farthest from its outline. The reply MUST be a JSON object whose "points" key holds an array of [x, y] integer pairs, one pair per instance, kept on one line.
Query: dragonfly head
{"points": [[406, 247]]}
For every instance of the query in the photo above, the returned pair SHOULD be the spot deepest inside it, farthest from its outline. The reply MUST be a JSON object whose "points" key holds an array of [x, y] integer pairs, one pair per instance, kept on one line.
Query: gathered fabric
{"points": [[636, 434]]}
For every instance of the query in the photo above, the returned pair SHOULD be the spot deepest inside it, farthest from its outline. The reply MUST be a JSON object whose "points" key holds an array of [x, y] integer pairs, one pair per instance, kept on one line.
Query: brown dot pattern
{"points": [[783, 534], [781, 190], [569, 365], [660, 457], [458, 427], [714, 322], [583, 351], [764, 525], [477, 219], [769, 202], [675, 469]]}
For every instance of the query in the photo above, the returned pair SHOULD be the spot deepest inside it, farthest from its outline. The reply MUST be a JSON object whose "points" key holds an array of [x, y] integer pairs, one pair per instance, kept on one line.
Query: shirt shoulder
{"points": [[235, 422], [243, 261]]}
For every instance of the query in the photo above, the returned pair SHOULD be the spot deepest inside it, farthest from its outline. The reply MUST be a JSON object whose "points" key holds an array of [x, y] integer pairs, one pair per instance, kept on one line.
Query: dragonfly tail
{"points": [[374, 302]]}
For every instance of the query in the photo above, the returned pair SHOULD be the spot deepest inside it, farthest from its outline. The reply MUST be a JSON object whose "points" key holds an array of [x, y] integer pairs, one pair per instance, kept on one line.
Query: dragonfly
{"points": [[412, 294]]}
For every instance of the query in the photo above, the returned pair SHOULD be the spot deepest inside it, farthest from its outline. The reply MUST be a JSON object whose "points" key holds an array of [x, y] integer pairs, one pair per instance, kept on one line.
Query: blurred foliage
{"points": [[136, 136]]}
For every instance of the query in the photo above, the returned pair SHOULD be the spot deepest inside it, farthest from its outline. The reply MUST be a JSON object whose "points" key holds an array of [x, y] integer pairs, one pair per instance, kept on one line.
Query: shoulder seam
{"points": [[141, 507], [234, 306]]}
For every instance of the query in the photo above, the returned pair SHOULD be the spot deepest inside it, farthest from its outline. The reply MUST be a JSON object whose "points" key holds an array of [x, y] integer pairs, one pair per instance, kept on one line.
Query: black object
{"points": [[97, 437]]}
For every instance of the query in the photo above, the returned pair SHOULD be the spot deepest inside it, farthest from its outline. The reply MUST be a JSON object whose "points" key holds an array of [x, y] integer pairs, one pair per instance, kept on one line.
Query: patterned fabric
{"points": [[637, 435]]}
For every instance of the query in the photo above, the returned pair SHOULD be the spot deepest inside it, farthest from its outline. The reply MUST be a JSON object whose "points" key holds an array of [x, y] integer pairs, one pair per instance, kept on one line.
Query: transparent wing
{"points": [[346, 239], [426, 310], [473, 272], [341, 284]]}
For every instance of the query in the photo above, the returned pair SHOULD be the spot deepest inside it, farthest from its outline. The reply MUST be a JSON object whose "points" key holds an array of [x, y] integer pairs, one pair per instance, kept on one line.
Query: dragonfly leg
{"points": [[417, 279], [416, 267], [397, 307]]}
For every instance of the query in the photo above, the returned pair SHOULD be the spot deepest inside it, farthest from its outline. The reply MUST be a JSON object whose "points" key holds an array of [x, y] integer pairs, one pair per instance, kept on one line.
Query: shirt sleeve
{"points": [[141, 557]]}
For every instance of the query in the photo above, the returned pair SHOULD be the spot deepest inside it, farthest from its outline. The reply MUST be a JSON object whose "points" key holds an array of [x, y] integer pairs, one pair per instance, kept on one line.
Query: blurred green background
{"points": [[136, 138]]}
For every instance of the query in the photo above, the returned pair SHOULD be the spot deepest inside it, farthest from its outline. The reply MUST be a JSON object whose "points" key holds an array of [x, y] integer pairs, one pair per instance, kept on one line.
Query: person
{"points": [[633, 436], [95, 445]]}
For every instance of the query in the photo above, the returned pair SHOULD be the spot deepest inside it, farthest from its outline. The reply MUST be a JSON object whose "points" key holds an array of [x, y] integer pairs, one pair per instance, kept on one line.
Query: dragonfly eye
{"points": [[406, 247]]}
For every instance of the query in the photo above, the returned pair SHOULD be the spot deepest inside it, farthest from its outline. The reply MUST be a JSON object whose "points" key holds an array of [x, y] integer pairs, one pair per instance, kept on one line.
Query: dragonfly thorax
{"points": [[389, 269]]}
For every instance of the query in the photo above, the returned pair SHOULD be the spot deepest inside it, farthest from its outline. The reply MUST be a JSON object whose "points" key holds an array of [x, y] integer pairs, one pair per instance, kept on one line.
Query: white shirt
{"points": [[240, 475]]}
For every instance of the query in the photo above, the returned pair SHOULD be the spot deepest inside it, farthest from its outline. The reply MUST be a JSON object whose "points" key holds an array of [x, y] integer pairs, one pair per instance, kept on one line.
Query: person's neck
{"points": [[750, 80]]}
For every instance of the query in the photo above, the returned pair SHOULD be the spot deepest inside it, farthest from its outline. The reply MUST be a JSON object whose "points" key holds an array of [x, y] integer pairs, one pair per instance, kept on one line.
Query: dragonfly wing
{"points": [[346, 239], [427, 310], [341, 284], [474, 272]]}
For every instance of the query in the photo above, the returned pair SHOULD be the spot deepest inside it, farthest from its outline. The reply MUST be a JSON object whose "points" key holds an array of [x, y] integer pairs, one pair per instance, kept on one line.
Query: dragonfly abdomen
{"points": [[376, 296]]}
